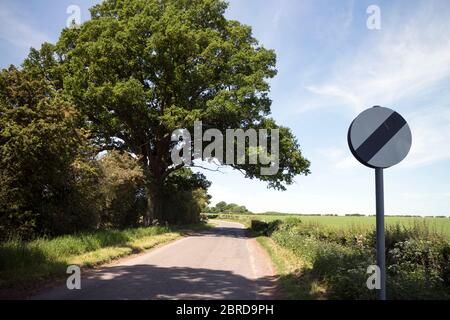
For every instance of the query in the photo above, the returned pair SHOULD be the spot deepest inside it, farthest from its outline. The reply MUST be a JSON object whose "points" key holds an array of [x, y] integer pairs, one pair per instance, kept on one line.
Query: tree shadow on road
{"points": [[232, 232], [152, 282]]}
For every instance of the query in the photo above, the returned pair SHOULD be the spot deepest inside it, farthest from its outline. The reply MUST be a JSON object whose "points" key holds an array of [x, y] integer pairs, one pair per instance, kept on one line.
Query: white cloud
{"points": [[431, 136], [404, 62], [399, 68], [343, 94], [16, 30], [340, 158], [431, 140]]}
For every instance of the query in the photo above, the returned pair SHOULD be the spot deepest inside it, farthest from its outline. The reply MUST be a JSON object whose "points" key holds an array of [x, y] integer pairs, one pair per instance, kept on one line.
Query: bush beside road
{"points": [[319, 261]]}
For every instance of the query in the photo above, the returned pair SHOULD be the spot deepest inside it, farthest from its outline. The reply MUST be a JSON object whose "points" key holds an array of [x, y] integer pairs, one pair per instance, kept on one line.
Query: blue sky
{"points": [[331, 67]]}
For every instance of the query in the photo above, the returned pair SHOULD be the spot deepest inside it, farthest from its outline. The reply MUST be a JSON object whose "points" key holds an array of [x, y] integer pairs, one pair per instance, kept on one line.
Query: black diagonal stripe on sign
{"points": [[380, 137]]}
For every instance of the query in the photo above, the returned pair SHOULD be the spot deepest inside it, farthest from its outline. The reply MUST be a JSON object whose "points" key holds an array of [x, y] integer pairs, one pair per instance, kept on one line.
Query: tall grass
{"points": [[418, 258], [22, 261]]}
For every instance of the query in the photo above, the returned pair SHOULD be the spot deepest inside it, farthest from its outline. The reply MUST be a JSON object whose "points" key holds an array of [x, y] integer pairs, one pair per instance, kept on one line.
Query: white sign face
{"points": [[379, 138]]}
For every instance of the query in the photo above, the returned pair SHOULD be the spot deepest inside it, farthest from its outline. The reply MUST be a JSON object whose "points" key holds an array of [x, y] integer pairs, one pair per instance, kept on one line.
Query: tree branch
{"points": [[208, 169]]}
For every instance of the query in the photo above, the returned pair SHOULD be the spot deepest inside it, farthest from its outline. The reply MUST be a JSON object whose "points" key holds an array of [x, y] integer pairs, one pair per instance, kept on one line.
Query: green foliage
{"points": [[39, 142], [185, 197], [422, 265], [124, 81], [50, 182], [265, 228], [223, 207], [290, 223], [122, 189], [258, 226], [68, 245], [418, 259], [141, 68], [43, 258]]}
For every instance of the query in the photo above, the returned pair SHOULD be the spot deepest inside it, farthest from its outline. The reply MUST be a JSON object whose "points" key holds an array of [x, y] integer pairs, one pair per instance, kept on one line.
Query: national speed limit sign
{"points": [[379, 138]]}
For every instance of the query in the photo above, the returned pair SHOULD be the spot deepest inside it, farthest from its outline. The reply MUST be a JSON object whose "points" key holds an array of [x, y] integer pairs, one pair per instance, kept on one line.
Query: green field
{"points": [[326, 257], [440, 225]]}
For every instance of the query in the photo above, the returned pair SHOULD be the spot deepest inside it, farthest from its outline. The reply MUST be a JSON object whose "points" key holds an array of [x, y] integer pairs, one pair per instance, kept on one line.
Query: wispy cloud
{"points": [[403, 63], [347, 97], [431, 140], [431, 136], [403, 60], [340, 158], [16, 30]]}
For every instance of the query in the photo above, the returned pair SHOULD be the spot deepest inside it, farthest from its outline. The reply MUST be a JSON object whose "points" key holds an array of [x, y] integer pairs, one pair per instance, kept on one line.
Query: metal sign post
{"points": [[380, 138], [381, 250]]}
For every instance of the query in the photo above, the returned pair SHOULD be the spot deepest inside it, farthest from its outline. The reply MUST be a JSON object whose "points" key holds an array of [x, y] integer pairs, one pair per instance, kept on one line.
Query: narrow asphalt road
{"points": [[221, 263]]}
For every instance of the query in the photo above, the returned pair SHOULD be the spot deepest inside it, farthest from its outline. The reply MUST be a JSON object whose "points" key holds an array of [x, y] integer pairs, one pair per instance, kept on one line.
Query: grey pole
{"points": [[381, 251]]}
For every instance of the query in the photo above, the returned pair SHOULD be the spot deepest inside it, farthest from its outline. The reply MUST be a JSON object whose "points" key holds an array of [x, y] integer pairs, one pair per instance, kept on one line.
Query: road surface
{"points": [[221, 263]]}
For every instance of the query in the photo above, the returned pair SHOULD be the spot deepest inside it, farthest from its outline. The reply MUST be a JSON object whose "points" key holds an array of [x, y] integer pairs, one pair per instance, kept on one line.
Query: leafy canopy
{"points": [[140, 69], [39, 141]]}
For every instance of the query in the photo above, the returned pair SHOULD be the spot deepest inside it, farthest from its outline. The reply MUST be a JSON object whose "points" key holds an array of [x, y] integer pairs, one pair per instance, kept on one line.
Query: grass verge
{"points": [[295, 281], [25, 266], [316, 261]]}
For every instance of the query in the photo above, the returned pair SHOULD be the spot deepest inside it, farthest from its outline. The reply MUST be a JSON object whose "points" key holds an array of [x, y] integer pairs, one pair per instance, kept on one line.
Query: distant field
{"points": [[437, 224]]}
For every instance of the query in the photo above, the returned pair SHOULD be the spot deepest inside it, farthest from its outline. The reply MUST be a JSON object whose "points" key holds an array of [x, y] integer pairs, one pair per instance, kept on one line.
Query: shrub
{"points": [[290, 222], [418, 259], [39, 143], [266, 228], [185, 197], [259, 226], [122, 190]]}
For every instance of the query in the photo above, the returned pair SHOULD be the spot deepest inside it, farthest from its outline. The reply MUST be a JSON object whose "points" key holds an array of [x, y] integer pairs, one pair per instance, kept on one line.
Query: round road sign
{"points": [[379, 138]]}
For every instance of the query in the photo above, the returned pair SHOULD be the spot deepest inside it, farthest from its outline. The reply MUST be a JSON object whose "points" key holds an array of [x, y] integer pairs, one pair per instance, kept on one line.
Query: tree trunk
{"points": [[155, 169], [155, 204]]}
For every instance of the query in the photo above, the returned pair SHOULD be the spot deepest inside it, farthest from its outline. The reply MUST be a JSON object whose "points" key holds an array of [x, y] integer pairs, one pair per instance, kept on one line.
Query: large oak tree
{"points": [[140, 69]]}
